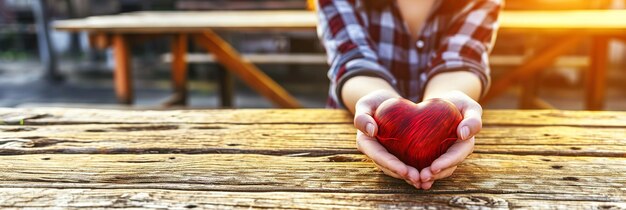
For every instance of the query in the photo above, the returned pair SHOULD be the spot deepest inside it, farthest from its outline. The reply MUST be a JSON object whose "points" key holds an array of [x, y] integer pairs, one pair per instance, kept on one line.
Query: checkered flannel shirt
{"points": [[377, 43]]}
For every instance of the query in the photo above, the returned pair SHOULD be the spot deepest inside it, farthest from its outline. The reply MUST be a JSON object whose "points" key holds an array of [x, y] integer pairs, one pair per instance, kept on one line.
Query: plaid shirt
{"points": [[378, 43]]}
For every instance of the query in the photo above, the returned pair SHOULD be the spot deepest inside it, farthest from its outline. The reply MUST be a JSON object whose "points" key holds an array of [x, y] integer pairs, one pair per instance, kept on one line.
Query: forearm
{"points": [[465, 82], [359, 86]]}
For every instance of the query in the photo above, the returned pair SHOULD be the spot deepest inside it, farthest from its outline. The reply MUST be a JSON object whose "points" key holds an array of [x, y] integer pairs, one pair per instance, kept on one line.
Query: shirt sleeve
{"points": [[467, 42], [350, 50]]}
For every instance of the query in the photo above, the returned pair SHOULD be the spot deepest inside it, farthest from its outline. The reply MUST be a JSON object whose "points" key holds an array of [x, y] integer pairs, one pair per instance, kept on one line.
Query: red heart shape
{"points": [[417, 134]]}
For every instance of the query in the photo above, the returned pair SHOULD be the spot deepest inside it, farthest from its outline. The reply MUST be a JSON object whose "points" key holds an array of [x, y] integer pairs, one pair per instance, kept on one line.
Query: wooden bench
{"points": [[186, 159], [225, 83], [320, 59]]}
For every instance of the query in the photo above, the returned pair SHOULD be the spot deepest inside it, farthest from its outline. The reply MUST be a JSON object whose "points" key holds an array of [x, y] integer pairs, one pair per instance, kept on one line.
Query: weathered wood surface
{"points": [[48, 116], [486, 173], [319, 139], [81, 158], [174, 199]]}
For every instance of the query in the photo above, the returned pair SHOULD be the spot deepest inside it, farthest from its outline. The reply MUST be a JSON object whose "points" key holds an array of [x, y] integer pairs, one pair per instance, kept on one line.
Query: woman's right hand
{"points": [[367, 143]]}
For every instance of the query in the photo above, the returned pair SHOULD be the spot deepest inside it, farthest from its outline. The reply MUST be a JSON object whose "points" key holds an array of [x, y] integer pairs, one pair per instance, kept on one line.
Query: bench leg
{"points": [[179, 71], [226, 87], [248, 73], [596, 74], [531, 66], [122, 74]]}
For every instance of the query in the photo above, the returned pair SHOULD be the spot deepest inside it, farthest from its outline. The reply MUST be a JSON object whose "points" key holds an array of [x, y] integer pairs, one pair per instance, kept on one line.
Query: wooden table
{"points": [[56, 157], [119, 31], [572, 26]]}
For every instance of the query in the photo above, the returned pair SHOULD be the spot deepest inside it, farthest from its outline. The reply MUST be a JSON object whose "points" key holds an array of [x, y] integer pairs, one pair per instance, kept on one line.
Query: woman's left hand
{"points": [[471, 124]]}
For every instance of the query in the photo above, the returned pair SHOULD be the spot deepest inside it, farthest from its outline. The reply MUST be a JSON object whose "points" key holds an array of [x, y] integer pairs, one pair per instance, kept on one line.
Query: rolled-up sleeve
{"points": [[350, 50], [467, 42]]}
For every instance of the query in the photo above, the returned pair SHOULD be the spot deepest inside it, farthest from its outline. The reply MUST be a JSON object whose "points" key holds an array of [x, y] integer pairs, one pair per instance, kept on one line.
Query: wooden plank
{"points": [[272, 58], [595, 86], [480, 173], [123, 69], [190, 21], [179, 71], [43, 198], [603, 20], [578, 21], [314, 139], [320, 59], [45, 116], [542, 59], [249, 73]]}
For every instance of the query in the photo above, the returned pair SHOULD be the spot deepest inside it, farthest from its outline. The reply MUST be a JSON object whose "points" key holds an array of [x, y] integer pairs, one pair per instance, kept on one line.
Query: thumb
{"points": [[363, 119], [471, 123], [366, 124]]}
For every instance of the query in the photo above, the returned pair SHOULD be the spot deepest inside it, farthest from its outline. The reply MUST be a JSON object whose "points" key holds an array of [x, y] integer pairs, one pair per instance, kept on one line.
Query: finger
{"points": [[444, 173], [455, 155], [472, 121], [441, 175], [426, 175], [427, 185], [414, 176], [365, 123], [363, 119], [389, 173], [370, 147]]}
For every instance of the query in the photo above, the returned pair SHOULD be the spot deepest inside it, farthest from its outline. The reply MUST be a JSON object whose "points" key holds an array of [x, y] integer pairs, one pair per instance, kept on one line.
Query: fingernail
{"points": [[465, 132], [370, 129], [429, 179], [437, 171]]}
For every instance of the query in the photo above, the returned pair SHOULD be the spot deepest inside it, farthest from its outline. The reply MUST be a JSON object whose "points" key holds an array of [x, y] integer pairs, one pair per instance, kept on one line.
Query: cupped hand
{"points": [[471, 124], [369, 145]]}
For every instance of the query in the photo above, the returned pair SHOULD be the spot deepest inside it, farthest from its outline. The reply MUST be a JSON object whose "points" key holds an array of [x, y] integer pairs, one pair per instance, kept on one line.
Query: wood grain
{"points": [[42, 198], [49, 116], [316, 139], [85, 158], [480, 173]]}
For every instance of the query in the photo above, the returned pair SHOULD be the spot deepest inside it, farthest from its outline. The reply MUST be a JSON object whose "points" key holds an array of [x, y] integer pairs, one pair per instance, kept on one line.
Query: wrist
{"points": [[447, 83]]}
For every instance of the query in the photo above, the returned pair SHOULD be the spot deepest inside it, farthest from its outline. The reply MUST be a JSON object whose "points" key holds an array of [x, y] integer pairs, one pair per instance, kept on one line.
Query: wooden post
{"points": [[179, 70], [122, 74], [596, 74], [249, 73], [226, 87]]}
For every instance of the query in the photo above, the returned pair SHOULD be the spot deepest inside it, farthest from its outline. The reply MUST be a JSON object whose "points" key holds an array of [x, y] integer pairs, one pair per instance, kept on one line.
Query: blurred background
{"points": [[75, 74]]}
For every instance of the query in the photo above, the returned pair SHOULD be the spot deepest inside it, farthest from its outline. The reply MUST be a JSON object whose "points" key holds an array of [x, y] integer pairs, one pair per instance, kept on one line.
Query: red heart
{"points": [[417, 133]]}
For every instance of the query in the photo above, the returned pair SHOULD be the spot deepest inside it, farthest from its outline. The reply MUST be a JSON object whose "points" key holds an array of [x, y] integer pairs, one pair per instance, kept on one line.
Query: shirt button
{"points": [[419, 44]]}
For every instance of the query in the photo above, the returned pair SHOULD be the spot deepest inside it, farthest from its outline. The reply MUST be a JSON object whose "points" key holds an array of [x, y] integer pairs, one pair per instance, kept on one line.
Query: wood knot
{"points": [[341, 158], [477, 201], [570, 178]]}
